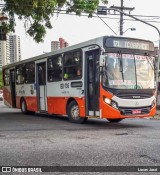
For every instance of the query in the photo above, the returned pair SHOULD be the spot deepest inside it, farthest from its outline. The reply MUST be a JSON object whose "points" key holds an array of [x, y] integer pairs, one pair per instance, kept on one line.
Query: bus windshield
{"points": [[128, 71]]}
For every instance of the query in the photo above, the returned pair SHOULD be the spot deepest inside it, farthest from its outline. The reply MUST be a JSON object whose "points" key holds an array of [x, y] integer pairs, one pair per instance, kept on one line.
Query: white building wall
{"points": [[4, 53], [15, 49], [4, 49], [10, 50], [55, 45]]}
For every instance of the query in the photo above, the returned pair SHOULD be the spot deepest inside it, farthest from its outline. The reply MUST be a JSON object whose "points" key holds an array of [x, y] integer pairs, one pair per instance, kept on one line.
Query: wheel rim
{"points": [[75, 112], [23, 106]]}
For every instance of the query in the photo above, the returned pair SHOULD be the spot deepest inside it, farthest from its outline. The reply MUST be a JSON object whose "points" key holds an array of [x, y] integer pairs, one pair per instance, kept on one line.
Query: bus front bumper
{"points": [[127, 112]]}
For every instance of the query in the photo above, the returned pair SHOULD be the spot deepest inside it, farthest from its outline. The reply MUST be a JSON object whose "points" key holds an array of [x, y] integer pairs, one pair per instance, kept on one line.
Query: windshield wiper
{"points": [[149, 61], [135, 71], [153, 66], [121, 64]]}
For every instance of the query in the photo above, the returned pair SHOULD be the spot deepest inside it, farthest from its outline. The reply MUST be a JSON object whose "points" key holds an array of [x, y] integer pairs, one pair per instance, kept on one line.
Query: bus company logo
{"points": [[22, 91], [61, 86], [31, 89], [137, 103], [136, 97], [6, 170]]}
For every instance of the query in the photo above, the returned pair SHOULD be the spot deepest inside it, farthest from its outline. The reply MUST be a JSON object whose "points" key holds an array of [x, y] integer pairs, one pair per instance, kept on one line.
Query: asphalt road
{"points": [[41, 140]]}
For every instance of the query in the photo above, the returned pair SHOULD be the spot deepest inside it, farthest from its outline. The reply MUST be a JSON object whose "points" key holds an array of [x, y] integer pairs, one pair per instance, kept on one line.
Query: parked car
{"points": [[1, 95]]}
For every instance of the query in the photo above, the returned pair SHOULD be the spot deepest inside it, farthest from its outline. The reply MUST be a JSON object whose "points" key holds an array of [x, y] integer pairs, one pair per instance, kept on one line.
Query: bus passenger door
{"points": [[92, 82], [12, 85], [41, 86]]}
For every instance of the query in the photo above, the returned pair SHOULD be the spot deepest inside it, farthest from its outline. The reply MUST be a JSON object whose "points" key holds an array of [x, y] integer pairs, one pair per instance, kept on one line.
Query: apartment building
{"points": [[55, 45], [14, 48]]}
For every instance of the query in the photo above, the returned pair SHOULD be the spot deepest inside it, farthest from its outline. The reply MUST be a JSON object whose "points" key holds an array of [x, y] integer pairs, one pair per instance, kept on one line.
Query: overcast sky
{"points": [[75, 29]]}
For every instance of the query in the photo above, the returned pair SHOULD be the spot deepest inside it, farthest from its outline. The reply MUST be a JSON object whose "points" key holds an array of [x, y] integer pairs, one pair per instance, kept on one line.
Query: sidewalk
{"points": [[157, 116]]}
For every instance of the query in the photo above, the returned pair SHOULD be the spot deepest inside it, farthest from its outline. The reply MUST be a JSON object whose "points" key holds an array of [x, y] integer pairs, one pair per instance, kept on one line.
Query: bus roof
{"points": [[73, 47]]}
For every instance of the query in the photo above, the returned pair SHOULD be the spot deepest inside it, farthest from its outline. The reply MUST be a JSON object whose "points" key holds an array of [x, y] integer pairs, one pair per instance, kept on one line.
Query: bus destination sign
{"points": [[129, 44]]}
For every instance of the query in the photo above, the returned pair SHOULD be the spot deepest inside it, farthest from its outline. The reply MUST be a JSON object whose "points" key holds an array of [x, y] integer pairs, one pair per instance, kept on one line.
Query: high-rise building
{"points": [[4, 52], [55, 45], [10, 50], [4, 46], [14, 48]]}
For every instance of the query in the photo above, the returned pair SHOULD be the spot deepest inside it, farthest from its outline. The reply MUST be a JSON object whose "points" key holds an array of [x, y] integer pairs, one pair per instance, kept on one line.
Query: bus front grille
{"points": [[134, 111]]}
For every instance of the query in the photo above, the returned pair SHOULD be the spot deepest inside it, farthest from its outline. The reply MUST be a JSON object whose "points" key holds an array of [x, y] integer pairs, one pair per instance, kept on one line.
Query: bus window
{"points": [[6, 77], [30, 73], [20, 74], [42, 74], [72, 65], [54, 68]]}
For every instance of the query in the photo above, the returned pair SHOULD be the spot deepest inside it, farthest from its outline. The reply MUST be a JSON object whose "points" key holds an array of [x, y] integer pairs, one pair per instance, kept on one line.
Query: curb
{"points": [[157, 116]]}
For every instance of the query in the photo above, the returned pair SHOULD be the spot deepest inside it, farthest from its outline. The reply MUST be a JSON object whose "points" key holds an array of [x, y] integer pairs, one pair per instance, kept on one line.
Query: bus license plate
{"points": [[136, 111]]}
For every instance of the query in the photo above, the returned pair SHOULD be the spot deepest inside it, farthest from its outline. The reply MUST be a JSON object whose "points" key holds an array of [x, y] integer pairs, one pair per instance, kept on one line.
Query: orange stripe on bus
{"points": [[30, 101], [57, 105], [7, 96]]}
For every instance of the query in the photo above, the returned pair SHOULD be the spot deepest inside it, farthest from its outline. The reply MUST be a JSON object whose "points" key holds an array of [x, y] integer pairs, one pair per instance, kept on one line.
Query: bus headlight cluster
{"points": [[153, 103], [107, 100], [114, 104], [111, 102]]}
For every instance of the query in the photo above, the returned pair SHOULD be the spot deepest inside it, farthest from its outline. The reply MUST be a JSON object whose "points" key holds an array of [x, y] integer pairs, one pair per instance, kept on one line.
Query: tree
{"points": [[36, 14]]}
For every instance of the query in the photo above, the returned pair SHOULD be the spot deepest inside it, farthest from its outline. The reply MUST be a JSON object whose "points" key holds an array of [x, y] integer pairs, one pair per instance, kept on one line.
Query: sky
{"points": [[75, 29]]}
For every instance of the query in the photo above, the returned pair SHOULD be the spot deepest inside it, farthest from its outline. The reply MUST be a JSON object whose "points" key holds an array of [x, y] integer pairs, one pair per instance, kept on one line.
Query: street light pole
{"points": [[137, 19], [132, 29]]}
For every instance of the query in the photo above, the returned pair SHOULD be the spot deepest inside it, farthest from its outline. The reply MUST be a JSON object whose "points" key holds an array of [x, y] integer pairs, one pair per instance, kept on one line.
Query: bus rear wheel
{"points": [[114, 120], [24, 107], [73, 113]]}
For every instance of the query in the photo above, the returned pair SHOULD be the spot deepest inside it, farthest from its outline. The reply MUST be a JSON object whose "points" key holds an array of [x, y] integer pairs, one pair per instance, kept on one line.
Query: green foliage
{"points": [[0, 79], [36, 14]]}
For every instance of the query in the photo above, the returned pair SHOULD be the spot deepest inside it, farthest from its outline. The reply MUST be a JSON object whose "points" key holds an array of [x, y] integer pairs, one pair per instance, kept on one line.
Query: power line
{"points": [[106, 24], [122, 8], [91, 17], [121, 21], [125, 8]]}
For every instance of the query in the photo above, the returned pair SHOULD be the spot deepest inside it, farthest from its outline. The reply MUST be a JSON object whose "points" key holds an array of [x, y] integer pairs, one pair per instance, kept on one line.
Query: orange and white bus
{"points": [[106, 77]]}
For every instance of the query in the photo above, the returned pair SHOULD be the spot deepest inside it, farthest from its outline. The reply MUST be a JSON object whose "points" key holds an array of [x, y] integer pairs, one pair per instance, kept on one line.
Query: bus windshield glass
{"points": [[128, 71]]}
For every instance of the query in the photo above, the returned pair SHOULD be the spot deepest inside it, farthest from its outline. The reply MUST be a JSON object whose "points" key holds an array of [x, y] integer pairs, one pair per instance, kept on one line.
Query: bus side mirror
{"points": [[102, 60]]}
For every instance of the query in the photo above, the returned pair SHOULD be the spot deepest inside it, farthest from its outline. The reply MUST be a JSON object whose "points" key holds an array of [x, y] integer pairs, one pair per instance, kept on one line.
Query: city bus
{"points": [[107, 77]]}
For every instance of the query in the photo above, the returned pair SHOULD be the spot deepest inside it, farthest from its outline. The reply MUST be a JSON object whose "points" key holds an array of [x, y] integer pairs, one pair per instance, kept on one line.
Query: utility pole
{"points": [[122, 8]]}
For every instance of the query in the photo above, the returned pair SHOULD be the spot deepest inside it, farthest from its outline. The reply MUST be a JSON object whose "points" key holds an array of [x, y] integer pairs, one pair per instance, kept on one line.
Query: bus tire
{"points": [[114, 120], [24, 107], [73, 113]]}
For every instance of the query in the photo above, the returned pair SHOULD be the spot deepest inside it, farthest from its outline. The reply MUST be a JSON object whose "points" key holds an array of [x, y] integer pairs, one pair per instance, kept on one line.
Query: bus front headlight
{"points": [[114, 104], [107, 100], [153, 103], [110, 102]]}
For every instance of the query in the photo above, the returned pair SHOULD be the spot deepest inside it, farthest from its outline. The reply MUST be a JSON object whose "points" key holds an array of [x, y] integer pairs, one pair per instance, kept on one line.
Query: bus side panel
{"points": [[18, 102], [7, 96], [81, 104], [57, 105], [28, 92], [58, 94], [30, 101]]}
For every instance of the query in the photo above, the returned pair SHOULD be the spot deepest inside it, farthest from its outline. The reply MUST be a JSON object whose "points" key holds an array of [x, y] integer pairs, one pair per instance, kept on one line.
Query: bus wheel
{"points": [[73, 113], [23, 107], [114, 120]]}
